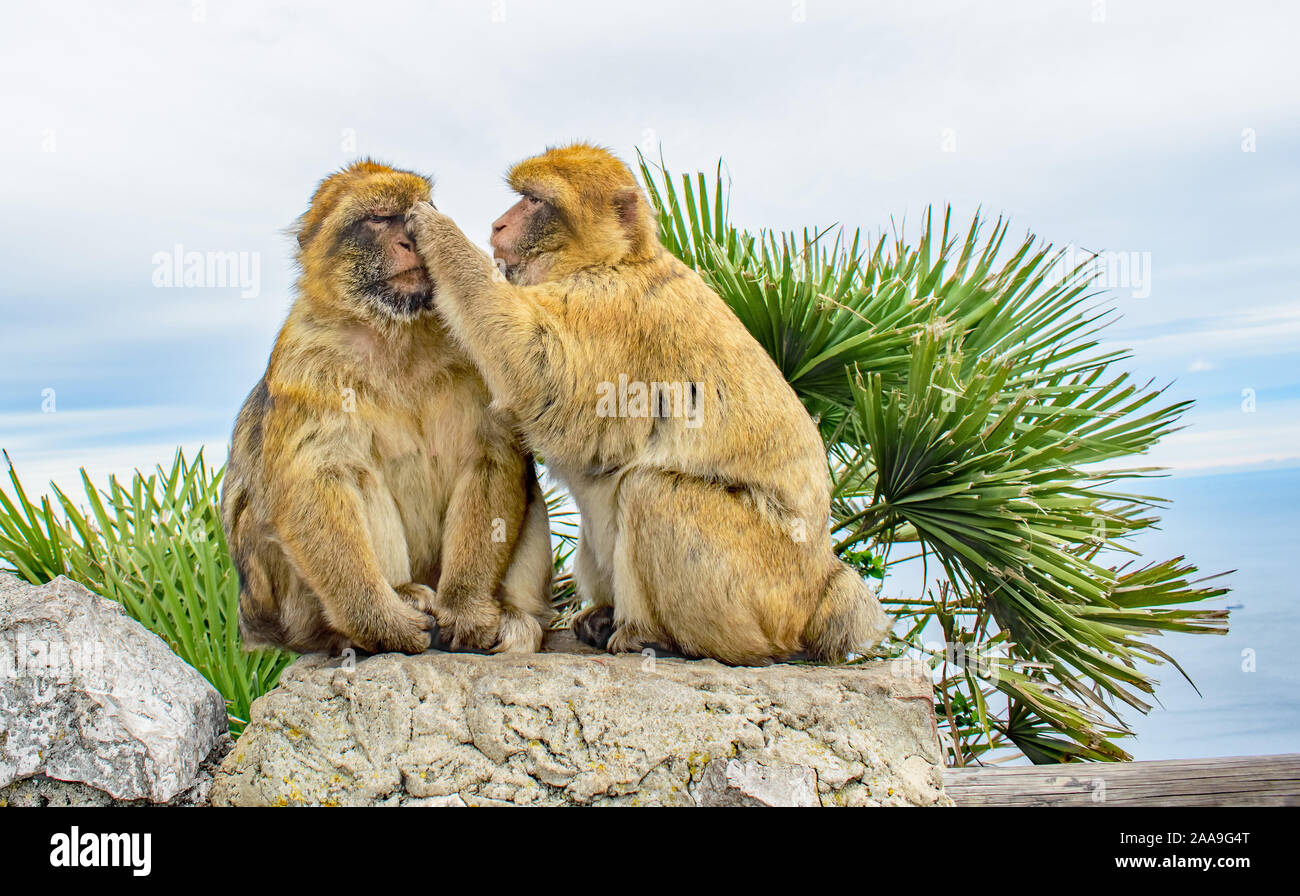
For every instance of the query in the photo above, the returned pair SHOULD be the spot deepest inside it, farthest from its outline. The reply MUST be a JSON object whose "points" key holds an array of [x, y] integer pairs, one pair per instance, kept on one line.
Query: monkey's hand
{"points": [[447, 253], [467, 621], [399, 628]]}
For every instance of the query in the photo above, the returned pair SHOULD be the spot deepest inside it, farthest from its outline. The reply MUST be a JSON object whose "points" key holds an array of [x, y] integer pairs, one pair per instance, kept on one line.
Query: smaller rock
{"points": [[94, 706], [732, 782], [40, 790]]}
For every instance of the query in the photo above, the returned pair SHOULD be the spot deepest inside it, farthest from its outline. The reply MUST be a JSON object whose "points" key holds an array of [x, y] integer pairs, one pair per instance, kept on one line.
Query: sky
{"points": [[1116, 126], [1166, 134]]}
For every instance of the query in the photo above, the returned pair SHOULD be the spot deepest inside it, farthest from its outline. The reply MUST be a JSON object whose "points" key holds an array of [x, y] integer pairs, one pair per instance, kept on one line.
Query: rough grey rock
{"points": [[560, 728], [731, 782], [40, 790], [94, 707]]}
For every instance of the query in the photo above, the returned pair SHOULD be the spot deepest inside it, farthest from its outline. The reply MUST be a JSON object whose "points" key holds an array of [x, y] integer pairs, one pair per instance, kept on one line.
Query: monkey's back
{"points": [[262, 573], [751, 431]]}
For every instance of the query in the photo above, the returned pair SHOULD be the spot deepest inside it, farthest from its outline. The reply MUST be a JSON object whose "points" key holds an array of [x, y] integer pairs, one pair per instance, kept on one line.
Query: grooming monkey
{"points": [[371, 490], [704, 526]]}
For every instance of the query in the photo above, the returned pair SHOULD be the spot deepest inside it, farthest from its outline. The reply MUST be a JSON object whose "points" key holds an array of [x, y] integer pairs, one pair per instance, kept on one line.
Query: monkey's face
{"points": [[356, 252], [581, 207], [385, 273], [528, 229]]}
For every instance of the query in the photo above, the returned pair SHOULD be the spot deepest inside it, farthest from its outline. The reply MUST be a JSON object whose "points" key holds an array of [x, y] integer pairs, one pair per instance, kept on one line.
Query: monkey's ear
{"points": [[626, 204], [636, 218], [298, 230], [305, 232]]}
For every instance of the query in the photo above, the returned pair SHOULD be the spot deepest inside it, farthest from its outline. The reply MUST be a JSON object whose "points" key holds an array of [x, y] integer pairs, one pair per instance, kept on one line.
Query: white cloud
{"points": [[1251, 332], [109, 441], [1233, 440], [36, 431], [63, 466]]}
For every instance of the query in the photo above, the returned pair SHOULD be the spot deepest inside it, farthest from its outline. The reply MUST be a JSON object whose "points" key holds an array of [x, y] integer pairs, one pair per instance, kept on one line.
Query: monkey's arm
{"points": [[511, 332], [483, 523]]}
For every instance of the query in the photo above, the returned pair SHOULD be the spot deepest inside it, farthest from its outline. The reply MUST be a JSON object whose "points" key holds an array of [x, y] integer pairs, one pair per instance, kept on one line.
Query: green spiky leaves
{"points": [[970, 413]]}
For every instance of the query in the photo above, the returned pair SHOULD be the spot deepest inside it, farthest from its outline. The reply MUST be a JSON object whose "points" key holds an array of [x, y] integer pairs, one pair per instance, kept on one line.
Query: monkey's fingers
{"points": [[629, 638], [408, 631], [422, 597], [443, 641], [471, 626], [421, 217], [624, 639]]}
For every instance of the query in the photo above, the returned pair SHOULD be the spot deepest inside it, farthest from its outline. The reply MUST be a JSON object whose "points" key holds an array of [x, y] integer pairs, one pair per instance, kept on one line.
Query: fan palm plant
{"points": [[969, 413]]}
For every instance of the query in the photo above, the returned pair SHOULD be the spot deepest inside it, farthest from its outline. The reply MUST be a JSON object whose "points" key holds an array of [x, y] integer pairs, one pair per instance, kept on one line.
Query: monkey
{"points": [[700, 479], [373, 497]]}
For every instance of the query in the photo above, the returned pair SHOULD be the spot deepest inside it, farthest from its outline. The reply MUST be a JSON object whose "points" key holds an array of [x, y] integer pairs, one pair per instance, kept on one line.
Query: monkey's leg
{"points": [[388, 536], [317, 522], [526, 588], [593, 572], [709, 574], [483, 523]]}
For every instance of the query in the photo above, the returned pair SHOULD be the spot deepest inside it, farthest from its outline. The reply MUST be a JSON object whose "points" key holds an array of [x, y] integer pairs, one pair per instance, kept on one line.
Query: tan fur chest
{"points": [[418, 451]]}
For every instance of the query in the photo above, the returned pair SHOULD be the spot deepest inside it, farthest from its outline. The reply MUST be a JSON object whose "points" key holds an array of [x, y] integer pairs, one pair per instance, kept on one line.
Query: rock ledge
{"points": [[571, 727]]}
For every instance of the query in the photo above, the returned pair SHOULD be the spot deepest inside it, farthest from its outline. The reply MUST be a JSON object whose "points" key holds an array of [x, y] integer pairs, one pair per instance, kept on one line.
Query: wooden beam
{"points": [[1235, 781]]}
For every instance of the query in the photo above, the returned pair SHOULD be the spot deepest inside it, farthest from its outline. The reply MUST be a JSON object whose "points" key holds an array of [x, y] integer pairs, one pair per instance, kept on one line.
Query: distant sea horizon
{"points": [[1248, 522], [1244, 521]]}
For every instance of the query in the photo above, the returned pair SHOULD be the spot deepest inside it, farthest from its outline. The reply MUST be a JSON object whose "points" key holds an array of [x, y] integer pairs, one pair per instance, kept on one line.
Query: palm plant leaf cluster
{"points": [[969, 411]]}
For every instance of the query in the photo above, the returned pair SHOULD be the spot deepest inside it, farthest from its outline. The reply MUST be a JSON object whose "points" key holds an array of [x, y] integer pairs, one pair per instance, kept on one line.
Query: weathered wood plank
{"points": [[1230, 781]]}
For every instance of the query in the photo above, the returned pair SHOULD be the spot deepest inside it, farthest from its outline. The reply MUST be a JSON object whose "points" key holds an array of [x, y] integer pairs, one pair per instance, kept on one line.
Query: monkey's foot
{"points": [[631, 638], [520, 632], [468, 624], [626, 639], [594, 626]]}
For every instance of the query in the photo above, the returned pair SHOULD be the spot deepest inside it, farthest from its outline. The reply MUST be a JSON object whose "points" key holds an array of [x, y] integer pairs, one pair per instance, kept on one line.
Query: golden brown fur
{"points": [[369, 482], [706, 530]]}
